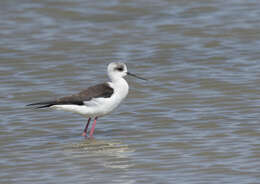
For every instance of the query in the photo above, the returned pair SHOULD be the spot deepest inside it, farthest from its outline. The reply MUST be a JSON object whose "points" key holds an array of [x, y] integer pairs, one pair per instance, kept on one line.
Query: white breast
{"points": [[121, 89]]}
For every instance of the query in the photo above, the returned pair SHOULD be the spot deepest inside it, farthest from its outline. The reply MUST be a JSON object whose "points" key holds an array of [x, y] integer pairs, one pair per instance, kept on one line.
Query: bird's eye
{"points": [[120, 69]]}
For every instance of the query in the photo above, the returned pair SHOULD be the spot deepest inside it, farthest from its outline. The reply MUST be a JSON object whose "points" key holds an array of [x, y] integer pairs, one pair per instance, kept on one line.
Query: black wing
{"points": [[100, 90]]}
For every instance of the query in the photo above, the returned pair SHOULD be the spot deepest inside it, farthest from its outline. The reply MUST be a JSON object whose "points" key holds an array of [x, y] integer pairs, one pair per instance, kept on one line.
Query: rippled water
{"points": [[195, 121]]}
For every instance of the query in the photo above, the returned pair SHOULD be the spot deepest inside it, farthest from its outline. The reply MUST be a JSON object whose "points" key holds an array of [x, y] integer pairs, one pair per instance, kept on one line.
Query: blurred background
{"points": [[196, 120]]}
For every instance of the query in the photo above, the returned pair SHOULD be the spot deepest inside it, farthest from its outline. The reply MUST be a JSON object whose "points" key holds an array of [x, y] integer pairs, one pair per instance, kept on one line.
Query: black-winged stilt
{"points": [[95, 101]]}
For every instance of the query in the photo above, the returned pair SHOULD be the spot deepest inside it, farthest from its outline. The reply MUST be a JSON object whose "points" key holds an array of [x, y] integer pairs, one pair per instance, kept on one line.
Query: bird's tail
{"points": [[40, 105]]}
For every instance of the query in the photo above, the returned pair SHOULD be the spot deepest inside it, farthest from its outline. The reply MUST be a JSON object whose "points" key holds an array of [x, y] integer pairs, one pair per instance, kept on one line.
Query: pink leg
{"points": [[93, 127], [86, 128]]}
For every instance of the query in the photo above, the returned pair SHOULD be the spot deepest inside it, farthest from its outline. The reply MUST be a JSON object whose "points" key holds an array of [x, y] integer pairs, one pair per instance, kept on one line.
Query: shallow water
{"points": [[195, 121]]}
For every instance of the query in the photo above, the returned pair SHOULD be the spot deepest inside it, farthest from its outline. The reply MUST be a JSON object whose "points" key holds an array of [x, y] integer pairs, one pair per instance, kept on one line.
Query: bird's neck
{"points": [[120, 83], [118, 80]]}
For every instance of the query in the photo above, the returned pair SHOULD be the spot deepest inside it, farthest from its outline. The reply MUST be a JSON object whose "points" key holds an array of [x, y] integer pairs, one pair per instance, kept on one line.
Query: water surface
{"points": [[196, 120]]}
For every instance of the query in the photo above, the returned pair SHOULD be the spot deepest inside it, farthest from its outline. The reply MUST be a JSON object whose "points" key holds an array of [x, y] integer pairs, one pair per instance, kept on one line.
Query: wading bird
{"points": [[95, 101]]}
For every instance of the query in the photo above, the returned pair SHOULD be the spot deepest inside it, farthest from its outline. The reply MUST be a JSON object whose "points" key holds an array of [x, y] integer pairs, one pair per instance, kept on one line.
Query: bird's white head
{"points": [[116, 70]]}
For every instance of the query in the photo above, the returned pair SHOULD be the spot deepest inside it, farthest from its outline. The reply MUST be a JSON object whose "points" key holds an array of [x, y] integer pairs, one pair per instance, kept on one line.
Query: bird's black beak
{"points": [[133, 75]]}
